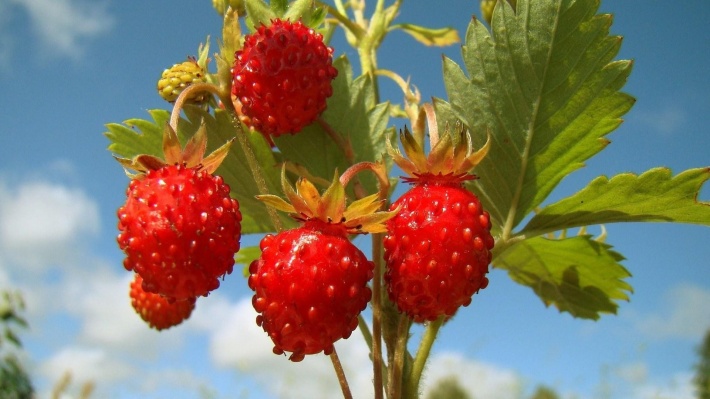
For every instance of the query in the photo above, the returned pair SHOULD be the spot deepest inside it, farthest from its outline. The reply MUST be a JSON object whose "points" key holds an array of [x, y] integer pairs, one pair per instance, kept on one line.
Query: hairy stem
{"points": [[400, 351], [377, 361], [341, 375], [432, 329], [186, 94]]}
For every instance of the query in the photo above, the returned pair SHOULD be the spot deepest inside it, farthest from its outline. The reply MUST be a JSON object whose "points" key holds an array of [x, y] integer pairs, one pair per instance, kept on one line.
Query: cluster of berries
{"points": [[180, 228]]}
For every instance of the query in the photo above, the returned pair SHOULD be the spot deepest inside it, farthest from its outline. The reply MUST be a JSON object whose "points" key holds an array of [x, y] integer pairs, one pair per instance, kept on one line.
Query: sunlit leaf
{"points": [[577, 275], [654, 196], [545, 84]]}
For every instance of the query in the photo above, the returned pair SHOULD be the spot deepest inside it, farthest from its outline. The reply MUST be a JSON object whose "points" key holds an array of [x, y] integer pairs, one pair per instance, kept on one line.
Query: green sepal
{"points": [[212, 162], [332, 204], [258, 12], [172, 152], [195, 148]]}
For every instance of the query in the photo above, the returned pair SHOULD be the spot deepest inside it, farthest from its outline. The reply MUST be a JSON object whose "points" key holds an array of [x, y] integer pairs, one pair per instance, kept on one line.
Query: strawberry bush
{"points": [[276, 135]]}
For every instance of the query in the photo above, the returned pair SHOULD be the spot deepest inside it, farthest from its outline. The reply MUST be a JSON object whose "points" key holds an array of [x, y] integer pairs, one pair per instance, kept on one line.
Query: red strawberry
{"points": [[179, 226], [310, 282], [437, 249], [157, 311], [282, 77]]}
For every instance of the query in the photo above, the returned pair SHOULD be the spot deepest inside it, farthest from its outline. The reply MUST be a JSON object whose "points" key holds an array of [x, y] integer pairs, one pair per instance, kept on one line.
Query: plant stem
{"points": [[341, 375], [400, 350], [432, 329], [377, 360], [254, 166], [184, 97]]}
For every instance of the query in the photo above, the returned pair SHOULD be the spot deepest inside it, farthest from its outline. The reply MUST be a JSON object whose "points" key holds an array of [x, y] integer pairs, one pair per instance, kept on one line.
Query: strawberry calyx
{"points": [[448, 160], [440, 178], [191, 156], [307, 205]]}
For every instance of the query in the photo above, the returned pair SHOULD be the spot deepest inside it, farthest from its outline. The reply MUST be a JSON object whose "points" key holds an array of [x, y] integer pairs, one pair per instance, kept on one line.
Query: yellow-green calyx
{"points": [[192, 156], [305, 203], [449, 155]]}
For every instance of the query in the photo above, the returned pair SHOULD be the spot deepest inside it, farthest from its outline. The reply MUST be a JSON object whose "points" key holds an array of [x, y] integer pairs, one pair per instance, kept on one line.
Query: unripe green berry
{"points": [[175, 79]]}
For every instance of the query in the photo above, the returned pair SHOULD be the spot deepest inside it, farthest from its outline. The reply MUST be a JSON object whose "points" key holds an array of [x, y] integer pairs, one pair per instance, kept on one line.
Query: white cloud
{"points": [[686, 314], [237, 342], [102, 303], [63, 25], [85, 365], [481, 380], [41, 221]]}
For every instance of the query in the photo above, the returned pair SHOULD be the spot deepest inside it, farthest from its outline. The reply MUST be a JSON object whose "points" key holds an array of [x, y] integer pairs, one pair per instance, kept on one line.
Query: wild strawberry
{"points": [[157, 311], [176, 78], [282, 77], [179, 226], [310, 282], [437, 249]]}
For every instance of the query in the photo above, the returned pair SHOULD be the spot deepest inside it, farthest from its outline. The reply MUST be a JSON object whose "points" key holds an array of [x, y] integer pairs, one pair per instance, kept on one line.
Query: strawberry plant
{"points": [[538, 91]]}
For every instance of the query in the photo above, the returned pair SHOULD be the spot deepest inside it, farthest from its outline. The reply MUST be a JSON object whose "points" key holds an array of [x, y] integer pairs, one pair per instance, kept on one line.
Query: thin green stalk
{"points": [[365, 330], [432, 329], [254, 166]]}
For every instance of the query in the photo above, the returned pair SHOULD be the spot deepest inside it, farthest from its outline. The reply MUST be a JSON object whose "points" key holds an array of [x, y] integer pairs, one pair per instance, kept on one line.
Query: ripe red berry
{"points": [[437, 250], [282, 77], [157, 311], [180, 230], [310, 285]]}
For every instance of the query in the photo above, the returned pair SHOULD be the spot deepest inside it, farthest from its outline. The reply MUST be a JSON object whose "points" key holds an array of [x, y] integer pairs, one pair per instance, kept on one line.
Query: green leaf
{"points": [[138, 136], [577, 275], [545, 85], [128, 143], [430, 37], [654, 196], [353, 118]]}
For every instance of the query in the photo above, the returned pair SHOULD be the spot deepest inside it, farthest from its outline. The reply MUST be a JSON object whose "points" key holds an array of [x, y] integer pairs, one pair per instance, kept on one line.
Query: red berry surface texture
{"points": [[156, 310], [437, 250], [282, 77], [180, 230], [310, 286], [311, 283]]}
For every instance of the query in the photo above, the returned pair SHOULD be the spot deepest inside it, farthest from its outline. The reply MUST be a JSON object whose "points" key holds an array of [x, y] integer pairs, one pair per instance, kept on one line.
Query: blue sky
{"points": [[68, 67]]}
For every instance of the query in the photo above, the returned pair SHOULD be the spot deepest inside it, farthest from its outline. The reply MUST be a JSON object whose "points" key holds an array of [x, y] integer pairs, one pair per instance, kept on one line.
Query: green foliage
{"points": [[139, 136], [543, 392], [578, 275], [544, 85], [702, 370], [654, 196], [14, 380], [448, 388]]}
